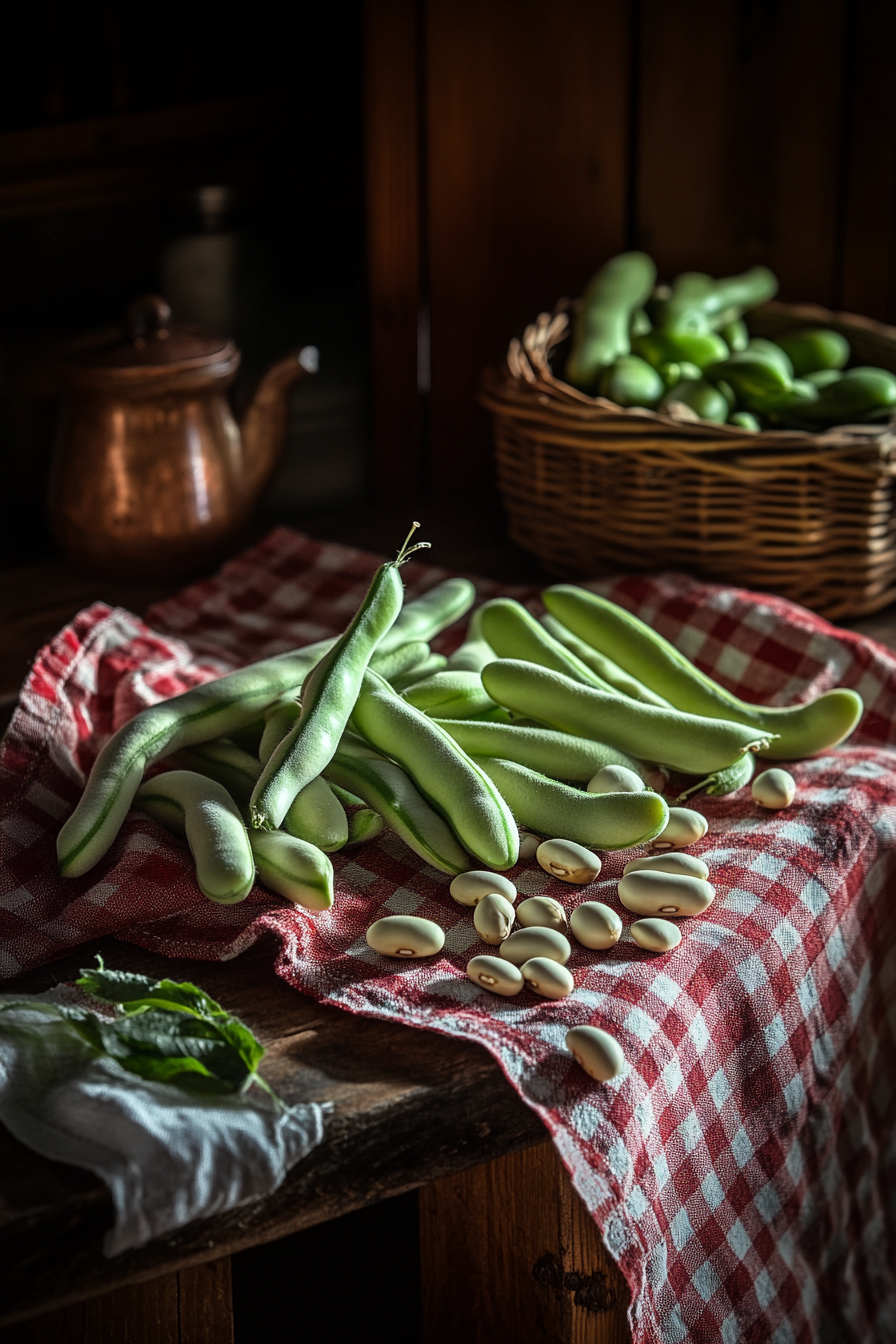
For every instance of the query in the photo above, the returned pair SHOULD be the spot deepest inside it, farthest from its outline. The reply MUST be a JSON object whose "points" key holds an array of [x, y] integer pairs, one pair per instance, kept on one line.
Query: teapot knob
{"points": [[149, 317]]}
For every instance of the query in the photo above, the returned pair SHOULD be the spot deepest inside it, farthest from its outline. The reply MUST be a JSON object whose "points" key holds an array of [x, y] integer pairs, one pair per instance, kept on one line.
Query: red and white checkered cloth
{"points": [[743, 1168]]}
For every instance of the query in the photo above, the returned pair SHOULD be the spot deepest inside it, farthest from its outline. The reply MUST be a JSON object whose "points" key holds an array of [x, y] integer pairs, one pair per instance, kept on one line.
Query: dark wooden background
{"points": [[512, 146]]}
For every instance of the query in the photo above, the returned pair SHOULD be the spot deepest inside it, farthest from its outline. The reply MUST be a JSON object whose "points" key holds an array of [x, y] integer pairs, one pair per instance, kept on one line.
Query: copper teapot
{"points": [[152, 476]]}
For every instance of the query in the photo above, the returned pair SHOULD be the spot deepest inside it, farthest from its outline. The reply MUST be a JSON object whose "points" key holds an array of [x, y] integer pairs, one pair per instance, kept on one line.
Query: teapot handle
{"points": [[149, 318]]}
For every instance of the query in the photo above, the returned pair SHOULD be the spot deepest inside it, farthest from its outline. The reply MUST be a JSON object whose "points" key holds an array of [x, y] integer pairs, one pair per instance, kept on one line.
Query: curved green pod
{"points": [[475, 651], [599, 820], [198, 715], [631, 381], [559, 755], [398, 661], [605, 669], [722, 782], [390, 791], [427, 616], [798, 731], [443, 773], [202, 812], [315, 815], [278, 721], [450, 695], [600, 330], [433, 663], [513, 632], [364, 825], [814, 349], [293, 868], [686, 742]]}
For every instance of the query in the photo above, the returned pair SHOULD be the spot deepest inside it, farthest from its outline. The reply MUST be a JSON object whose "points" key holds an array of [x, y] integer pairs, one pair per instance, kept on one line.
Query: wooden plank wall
{"points": [[542, 138]]}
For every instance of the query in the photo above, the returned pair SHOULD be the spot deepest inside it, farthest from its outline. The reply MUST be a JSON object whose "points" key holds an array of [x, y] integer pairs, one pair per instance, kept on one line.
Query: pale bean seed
{"points": [[615, 779], [774, 789], [656, 935], [686, 865], [493, 918], [528, 844], [568, 861], [405, 936], [469, 888], [548, 978], [651, 893], [527, 943], [596, 1051], [595, 925], [684, 827], [542, 912], [500, 977]]}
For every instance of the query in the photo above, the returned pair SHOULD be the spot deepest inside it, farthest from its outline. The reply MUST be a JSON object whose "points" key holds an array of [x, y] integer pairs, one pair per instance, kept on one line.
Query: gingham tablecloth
{"points": [[742, 1169]]}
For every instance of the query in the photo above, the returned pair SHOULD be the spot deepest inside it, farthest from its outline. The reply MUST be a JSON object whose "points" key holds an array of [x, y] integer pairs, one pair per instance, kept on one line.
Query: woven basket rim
{"points": [[526, 381]]}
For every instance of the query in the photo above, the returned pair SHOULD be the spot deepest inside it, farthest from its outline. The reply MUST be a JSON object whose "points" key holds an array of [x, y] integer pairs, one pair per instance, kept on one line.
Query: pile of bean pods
{"points": [[685, 345], [564, 727]]}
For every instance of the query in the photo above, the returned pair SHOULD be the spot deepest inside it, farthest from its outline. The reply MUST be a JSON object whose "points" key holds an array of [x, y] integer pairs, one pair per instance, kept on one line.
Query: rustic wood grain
{"points": [[393, 166], [527, 121], [533, 1263], [409, 1107]]}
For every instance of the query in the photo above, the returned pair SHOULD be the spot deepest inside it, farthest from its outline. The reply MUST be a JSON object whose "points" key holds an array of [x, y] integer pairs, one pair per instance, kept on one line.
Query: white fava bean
{"points": [[469, 888], [615, 779], [568, 861], [493, 917], [529, 844], [684, 827], [650, 893], [495, 975], [774, 788], [656, 935], [542, 912], [405, 936], [595, 925], [521, 946], [548, 978], [596, 1051], [686, 865]]}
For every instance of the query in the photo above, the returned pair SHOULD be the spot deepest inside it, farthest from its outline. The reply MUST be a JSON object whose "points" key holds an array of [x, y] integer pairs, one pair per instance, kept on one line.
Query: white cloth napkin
{"points": [[167, 1156]]}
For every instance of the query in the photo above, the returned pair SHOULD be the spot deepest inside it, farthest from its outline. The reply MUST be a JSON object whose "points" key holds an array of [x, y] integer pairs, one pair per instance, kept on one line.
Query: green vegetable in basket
{"points": [[758, 379], [673, 371], [703, 398], [744, 420], [630, 381], [601, 328], [698, 303], [810, 351], [823, 377], [735, 335], [665, 347], [860, 394]]}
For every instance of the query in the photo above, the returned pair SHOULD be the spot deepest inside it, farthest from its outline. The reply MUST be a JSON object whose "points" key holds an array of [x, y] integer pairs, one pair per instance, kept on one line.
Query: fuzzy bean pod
{"points": [[513, 632], [293, 868], [198, 715], [364, 825], [475, 651], [202, 812], [431, 665], [388, 790], [450, 695], [685, 742], [604, 668], [559, 755], [401, 660], [426, 616], [798, 731], [602, 820], [445, 775], [278, 721]]}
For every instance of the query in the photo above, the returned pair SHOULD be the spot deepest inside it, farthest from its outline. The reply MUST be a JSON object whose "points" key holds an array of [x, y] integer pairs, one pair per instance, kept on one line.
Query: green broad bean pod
{"points": [[757, 379], [859, 394], [598, 820], [722, 782], [600, 330], [450, 695], [328, 696], [445, 775], [293, 868], [278, 721], [436, 662], [389, 790], [199, 715], [697, 301], [605, 669], [794, 732], [813, 349], [546, 750], [475, 651], [202, 812], [315, 815], [631, 381], [513, 632], [364, 825], [405, 658], [699, 348], [427, 616], [682, 741], [704, 399]]}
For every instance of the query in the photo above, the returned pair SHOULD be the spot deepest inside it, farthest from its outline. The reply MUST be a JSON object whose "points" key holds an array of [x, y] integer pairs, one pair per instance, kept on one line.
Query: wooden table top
{"points": [[409, 1106]]}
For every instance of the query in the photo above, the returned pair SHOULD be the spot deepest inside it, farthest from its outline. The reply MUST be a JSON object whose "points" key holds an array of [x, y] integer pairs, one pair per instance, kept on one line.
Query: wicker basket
{"points": [[592, 488]]}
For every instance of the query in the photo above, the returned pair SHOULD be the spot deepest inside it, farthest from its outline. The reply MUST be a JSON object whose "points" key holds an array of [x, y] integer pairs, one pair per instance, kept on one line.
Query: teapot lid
{"points": [[150, 344]]}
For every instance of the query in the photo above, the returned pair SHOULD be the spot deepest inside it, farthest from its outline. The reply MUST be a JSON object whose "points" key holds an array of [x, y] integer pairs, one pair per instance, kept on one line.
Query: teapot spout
{"points": [[263, 425]]}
